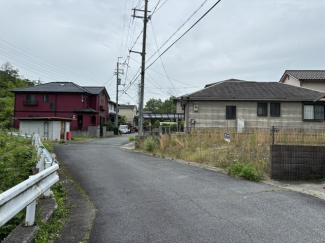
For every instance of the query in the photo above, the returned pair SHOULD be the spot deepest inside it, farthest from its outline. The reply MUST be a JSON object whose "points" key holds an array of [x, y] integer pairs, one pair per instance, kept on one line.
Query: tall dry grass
{"points": [[207, 146]]}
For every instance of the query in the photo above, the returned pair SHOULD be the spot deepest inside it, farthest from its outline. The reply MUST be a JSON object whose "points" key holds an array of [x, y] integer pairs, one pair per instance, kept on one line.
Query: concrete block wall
{"points": [[293, 162]]}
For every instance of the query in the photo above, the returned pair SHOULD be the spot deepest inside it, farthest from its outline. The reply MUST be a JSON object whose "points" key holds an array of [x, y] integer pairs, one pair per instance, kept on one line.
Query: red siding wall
{"points": [[64, 106]]}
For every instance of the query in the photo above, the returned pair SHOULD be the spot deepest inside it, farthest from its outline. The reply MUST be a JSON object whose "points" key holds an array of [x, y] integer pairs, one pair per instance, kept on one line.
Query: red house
{"points": [[86, 104]]}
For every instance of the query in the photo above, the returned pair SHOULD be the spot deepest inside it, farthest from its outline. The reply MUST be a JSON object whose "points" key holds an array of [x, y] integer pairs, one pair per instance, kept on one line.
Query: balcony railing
{"points": [[30, 102]]}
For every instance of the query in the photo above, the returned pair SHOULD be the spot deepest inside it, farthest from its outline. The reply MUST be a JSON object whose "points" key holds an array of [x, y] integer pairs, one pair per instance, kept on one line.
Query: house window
{"points": [[230, 112], [30, 97], [262, 109], [313, 112], [30, 100], [52, 106], [275, 109], [46, 98]]}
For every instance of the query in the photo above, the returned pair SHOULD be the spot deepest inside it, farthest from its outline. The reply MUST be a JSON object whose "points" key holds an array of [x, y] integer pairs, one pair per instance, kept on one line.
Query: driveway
{"points": [[141, 198]]}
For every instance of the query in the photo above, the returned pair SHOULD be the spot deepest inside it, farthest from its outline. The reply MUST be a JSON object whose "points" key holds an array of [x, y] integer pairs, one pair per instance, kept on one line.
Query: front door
{"points": [[101, 124], [80, 121], [62, 130]]}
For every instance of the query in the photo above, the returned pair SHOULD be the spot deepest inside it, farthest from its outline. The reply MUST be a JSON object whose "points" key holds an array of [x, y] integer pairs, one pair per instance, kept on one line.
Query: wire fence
{"points": [[273, 135]]}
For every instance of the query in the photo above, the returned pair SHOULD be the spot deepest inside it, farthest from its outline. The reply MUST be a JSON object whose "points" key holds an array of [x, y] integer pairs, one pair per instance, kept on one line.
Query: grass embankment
{"points": [[246, 156], [18, 158]]}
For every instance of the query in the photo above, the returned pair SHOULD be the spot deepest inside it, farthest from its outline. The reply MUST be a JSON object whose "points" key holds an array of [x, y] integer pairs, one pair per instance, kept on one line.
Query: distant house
{"points": [[312, 79], [250, 105], [111, 111], [85, 105], [129, 111]]}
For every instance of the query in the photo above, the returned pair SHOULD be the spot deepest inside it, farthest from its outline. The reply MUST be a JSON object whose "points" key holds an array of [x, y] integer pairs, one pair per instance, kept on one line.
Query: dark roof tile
{"points": [[254, 90], [307, 74], [53, 87]]}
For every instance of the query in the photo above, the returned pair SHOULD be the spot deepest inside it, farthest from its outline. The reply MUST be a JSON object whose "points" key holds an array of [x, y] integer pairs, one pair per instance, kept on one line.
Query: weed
{"points": [[131, 139], [245, 171], [149, 144], [49, 230]]}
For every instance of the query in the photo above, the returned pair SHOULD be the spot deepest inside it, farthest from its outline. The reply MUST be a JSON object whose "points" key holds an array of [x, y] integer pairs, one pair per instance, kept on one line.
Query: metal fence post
{"points": [[273, 129], [47, 165], [30, 214]]}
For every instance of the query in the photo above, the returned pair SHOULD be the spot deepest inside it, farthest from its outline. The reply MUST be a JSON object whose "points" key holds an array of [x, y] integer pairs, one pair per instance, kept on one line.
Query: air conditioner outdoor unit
{"points": [[196, 107]]}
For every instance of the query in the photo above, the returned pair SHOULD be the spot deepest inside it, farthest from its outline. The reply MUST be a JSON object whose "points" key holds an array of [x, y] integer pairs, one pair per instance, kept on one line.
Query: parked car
{"points": [[124, 129]]}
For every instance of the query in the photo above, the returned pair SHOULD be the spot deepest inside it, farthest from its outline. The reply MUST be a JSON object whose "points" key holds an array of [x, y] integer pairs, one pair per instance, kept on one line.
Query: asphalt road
{"points": [[141, 198]]}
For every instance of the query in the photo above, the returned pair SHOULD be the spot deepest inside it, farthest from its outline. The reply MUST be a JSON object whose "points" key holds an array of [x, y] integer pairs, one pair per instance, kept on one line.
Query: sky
{"points": [[80, 41]]}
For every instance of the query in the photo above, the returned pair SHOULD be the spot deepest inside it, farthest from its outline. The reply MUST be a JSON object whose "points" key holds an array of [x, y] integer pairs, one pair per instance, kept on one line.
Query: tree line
{"points": [[9, 80]]}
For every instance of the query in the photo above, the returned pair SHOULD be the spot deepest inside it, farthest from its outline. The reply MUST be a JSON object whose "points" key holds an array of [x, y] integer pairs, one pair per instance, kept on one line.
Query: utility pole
{"points": [[143, 54], [118, 82]]}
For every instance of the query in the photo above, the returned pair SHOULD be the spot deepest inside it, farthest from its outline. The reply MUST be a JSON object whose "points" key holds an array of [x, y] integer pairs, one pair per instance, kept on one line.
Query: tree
{"points": [[153, 105], [157, 106], [9, 80], [168, 106], [9, 70], [122, 120]]}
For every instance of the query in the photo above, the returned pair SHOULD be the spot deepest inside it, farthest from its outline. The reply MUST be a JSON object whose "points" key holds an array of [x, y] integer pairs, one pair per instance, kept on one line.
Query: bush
{"points": [[149, 144], [245, 171], [18, 157], [156, 124], [109, 126], [131, 139]]}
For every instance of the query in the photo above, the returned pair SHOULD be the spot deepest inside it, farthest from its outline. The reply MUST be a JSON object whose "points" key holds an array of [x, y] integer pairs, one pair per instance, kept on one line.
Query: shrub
{"points": [[149, 144], [244, 171], [17, 159], [156, 124], [131, 139]]}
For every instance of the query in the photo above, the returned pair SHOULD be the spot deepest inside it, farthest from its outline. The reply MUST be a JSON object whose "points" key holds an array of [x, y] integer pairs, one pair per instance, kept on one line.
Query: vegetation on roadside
{"points": [[49, 230], [80, 139], [18, 157], [207, 146], [243, 171], [131, 139]]}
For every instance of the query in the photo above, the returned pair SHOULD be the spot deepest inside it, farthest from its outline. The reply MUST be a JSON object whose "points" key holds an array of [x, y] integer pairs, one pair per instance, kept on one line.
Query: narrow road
{"points": [[141, 198]]}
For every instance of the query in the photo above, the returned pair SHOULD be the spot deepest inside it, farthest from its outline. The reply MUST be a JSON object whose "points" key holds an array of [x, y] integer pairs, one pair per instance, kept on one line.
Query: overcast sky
{"points": [[80, 41]]}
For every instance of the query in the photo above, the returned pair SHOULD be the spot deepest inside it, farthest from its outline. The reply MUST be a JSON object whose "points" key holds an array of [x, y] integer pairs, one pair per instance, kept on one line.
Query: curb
{"points": [[82, 212]]}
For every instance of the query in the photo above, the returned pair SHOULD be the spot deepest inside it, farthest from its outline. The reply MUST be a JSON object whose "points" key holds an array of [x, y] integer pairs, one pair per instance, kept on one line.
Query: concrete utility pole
{"points": [[143, 54], [118, 82]]}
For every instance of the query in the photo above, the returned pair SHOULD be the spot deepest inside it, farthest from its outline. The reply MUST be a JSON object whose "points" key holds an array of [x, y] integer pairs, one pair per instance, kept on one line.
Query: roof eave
{"points": [[243, 99]]}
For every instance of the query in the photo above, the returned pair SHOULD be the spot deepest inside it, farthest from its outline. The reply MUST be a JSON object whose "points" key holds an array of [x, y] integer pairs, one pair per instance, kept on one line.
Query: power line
{"points": [[38, 63], [178, 30], [150, 69], [155, 10], [65, 70], [184, 33], [162, 63]]}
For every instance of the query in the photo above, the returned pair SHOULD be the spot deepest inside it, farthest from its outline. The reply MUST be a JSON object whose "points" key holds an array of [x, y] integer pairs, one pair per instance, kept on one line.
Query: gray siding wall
{"points": [[213, 114]]}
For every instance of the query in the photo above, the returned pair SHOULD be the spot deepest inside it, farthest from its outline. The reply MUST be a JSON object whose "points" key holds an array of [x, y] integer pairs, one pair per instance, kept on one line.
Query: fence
{"points": [[276, 135], [297, 136], [24, 195]]}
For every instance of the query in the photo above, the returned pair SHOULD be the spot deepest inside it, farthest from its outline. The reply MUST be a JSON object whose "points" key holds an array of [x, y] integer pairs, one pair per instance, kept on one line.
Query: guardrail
{"points": [[24, 194]]}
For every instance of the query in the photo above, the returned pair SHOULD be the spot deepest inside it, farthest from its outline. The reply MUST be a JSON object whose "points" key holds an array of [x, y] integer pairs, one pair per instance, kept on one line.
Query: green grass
{"points": [[49, 230], [80, 139]]}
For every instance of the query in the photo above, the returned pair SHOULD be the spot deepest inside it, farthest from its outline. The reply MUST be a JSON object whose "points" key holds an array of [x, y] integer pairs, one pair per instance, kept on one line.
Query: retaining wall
{"points": [[293, 162]]}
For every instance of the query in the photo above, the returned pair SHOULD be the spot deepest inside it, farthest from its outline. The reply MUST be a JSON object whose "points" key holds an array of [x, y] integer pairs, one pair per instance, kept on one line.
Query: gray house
{"points": [[250, 105], [312, 79]]}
